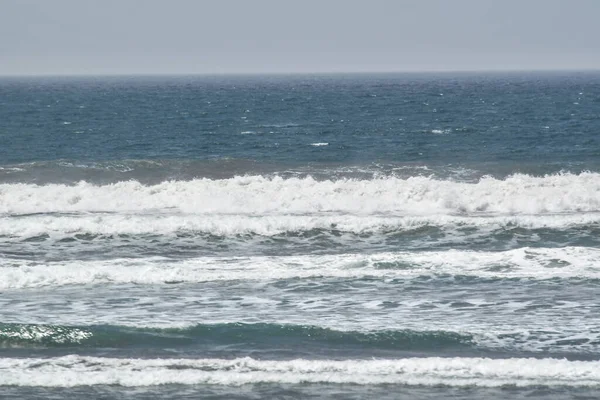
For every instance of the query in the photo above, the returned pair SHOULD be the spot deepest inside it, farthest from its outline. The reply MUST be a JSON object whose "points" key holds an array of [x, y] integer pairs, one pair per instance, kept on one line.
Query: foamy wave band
{"points": [[258, 195], [61, 226], [75, 370], [531, 263]]}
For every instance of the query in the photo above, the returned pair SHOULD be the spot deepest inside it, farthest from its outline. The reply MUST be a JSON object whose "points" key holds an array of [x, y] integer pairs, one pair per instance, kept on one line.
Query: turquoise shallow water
{"points": [[346, 236]]}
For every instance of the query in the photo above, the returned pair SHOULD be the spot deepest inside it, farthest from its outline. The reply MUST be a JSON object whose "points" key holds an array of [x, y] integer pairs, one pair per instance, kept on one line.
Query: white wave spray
{"points": [[257, 195], [533, 263], [75, 370]]}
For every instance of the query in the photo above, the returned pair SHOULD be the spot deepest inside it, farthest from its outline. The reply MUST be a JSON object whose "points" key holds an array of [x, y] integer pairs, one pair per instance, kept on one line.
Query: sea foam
{"points": [[62, 226], [74, 370], [258, 195], [530, 263]]}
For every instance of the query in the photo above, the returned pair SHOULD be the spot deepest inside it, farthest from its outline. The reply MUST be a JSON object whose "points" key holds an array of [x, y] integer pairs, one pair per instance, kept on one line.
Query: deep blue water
{"points": [[382, 118], [342, 236]]}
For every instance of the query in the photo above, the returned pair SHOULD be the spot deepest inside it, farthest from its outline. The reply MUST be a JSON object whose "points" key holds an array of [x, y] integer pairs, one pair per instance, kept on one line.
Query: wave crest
{"points": [[229, 334], [258, 195]]}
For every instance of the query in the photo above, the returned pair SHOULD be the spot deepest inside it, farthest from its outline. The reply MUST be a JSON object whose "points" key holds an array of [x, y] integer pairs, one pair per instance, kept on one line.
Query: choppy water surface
{"points": [[386, 236]]}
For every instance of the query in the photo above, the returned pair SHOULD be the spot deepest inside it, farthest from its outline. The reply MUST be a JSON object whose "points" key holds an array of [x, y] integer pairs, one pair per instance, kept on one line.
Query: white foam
{"points": [[319, 144], [39, 333], [257, 195], [543, 263], [11, 169], [66, 225], [76, 370]]}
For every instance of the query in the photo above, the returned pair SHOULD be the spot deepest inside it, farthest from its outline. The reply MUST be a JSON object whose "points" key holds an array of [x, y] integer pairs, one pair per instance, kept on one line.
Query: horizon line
{"points": [[297, 73]]}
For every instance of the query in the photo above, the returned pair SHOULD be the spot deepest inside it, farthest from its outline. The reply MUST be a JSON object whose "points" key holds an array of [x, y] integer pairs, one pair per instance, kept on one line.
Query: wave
{"points": [[150, 171], [259, 195], [154, 171], [245, 338], [261, 335], [68, 226], [74, 370], [522, 263]]}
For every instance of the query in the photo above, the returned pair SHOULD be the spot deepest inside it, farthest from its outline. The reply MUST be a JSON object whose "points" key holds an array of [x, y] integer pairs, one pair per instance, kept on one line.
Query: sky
{"points": [[89, 37]]}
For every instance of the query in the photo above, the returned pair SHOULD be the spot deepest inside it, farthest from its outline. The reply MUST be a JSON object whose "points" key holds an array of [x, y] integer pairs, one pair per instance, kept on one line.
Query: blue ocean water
{"points": [[335, 236]]}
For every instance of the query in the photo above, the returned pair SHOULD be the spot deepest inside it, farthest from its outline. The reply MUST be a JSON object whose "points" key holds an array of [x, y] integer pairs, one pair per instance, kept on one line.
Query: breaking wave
{"points": [[74, 370], [258, 195], [228, 334]]}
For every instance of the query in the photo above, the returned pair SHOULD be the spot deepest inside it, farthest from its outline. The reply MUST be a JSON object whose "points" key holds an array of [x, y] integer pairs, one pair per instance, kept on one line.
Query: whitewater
{"points": [[252, 195], [73, 371]]}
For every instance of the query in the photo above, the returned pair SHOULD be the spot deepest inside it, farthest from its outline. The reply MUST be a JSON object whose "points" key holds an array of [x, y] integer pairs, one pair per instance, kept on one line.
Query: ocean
{"points": [[389, 236]]}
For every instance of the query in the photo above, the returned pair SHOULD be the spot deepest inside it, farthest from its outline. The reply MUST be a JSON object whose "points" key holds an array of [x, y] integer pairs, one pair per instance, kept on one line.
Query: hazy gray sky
{"points": [[223, 36]]}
